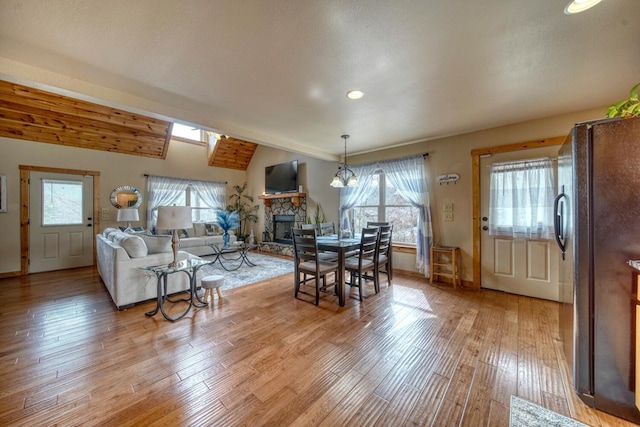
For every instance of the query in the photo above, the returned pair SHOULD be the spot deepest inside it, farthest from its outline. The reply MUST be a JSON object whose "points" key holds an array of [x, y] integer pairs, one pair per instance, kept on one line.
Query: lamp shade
{"points": [[337, 182], [125, 215], [174, 217]]}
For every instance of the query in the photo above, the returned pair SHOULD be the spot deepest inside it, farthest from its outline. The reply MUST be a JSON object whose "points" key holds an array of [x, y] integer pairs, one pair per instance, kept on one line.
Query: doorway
{"points": [[518, 265], [475, 165], [58, 218]]}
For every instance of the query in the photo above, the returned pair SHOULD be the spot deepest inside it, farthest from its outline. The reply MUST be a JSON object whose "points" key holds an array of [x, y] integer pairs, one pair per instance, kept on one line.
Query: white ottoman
{"points": [[209, 283]]}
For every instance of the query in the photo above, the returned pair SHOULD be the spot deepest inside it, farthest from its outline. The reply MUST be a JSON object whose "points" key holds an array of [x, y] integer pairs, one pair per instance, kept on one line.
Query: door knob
{"points": [[485, 228], [485, 219]]}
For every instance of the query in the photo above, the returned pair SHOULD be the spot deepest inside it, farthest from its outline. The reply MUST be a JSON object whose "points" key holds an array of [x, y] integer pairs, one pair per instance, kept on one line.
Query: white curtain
{"points": [[212, 194], [351, 196], [162, 191], [165, 191], [408, 176], [521, 199]]}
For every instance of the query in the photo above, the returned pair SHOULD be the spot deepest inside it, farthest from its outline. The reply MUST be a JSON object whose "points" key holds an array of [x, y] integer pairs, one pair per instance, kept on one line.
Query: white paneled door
{"points": [[60, 221], [517, 265]]}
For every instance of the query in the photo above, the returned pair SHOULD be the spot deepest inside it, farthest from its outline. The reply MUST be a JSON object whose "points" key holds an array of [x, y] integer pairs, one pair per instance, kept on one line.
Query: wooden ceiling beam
{"points": [[35, 115]]}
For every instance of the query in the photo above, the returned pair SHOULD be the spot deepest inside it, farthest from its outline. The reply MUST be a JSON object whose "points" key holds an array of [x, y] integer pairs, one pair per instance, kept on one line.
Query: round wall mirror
{"points": [[126, 197]]}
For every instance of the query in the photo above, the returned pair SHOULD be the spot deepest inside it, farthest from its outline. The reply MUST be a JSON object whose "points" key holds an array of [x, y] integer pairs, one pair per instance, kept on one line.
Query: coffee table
{"points": [[229, 254]]}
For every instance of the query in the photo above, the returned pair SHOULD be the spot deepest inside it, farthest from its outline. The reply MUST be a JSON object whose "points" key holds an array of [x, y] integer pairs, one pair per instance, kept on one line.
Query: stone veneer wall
{"points": [[282, 206], [276, 248]]}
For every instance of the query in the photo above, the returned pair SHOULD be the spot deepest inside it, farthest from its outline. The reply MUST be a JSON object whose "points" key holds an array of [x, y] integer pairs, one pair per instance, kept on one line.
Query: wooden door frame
{"points": [[475, 166], [25, 172]]}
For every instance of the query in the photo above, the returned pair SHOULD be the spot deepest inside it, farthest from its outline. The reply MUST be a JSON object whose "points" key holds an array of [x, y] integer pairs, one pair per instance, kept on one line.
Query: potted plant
{"points": [[629, 107], [242, 204], [227, 221], [318, 216]]}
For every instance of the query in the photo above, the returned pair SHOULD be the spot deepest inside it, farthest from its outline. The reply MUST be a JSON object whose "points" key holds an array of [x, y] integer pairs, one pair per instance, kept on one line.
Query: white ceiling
{"points": [[276, 71]]}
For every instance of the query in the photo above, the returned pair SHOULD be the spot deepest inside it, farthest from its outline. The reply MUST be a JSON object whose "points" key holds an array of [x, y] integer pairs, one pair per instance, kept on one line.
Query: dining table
{"points": [[341, 246]]}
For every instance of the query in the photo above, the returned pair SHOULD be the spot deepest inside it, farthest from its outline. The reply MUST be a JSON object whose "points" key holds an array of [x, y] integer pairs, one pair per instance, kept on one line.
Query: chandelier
{"points": [[345, 176]]}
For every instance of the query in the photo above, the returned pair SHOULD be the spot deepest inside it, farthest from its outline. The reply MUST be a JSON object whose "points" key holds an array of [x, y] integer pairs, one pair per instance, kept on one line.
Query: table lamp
{"points": [[174, 218], [128, 215]]}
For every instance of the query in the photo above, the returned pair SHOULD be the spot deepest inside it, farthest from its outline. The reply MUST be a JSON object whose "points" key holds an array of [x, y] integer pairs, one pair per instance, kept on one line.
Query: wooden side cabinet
{"points": [[445, 262]]}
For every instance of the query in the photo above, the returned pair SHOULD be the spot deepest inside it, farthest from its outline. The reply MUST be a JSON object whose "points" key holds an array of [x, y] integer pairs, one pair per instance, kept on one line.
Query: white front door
{"points": [[60, 221], [518, 266]]}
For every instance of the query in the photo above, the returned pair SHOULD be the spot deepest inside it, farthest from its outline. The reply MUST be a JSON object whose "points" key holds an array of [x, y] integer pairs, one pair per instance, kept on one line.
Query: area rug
{"points": [[265, 268], [526, 414]]}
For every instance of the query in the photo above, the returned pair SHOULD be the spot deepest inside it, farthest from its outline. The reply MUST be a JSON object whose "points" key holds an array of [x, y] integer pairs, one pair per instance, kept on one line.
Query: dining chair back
{"points": [[376, 224], [384, 252], [309, 226], [307, 261], [366, 261], [327, 228]]}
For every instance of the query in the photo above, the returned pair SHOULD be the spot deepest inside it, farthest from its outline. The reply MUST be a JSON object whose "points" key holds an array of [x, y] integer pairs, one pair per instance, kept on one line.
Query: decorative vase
{"points": [[225, 238]]}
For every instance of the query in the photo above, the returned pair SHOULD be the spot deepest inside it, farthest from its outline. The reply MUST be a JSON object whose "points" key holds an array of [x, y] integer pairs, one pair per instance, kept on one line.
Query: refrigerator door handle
{"points": [[558, 222]]}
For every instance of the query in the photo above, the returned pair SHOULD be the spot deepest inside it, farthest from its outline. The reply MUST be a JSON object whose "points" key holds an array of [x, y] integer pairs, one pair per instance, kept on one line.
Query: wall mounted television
{"points": [[281, 178]]}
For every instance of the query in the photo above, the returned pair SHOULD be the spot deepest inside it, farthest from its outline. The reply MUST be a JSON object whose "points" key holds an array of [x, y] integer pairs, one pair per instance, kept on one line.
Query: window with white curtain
{"points": [[394, 191], [205, 197], [384, 203], [521, 199]]}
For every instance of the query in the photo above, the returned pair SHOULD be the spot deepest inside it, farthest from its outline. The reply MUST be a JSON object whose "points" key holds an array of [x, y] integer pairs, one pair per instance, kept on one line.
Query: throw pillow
{"points": [[199, 229], [108, 232], [134, 245], [212, 229], [156, 243]]}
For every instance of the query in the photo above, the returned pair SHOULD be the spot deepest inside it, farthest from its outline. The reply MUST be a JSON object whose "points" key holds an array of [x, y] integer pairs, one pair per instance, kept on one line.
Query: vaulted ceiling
{"points": [[276, 72]]}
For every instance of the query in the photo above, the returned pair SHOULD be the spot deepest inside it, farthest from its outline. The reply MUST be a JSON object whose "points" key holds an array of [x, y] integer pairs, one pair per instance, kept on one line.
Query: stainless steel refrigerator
{"points": [[597, 224]]}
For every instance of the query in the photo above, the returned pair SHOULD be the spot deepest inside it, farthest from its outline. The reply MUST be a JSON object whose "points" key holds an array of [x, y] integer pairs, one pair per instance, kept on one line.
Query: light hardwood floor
{"points": [[414, 354]]}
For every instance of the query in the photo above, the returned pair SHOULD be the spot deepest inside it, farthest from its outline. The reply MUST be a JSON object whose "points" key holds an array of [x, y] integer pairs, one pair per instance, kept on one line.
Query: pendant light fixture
{"points": [[345, 176]]}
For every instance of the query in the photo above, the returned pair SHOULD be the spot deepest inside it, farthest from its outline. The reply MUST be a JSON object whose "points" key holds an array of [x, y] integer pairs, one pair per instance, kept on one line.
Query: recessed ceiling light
{"points": [[355, 94], [577, 6]]}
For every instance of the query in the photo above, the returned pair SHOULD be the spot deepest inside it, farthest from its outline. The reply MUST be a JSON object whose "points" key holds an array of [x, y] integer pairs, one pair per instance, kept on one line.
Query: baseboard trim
{"points": [[10, 274]]}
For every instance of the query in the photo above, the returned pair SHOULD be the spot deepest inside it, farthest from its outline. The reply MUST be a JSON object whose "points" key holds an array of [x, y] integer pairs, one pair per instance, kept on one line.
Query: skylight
{"points": [[186, 132]]}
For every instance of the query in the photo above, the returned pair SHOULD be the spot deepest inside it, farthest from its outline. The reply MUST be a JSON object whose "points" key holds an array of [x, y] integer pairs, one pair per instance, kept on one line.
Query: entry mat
{"points": [[526, 414]]}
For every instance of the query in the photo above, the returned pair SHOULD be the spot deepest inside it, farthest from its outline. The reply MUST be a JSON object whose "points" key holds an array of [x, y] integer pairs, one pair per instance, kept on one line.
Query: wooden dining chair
{"points": [[327, 228], [365, 261], [309, 226], [376, 224], [385, 255], [307, 262]]}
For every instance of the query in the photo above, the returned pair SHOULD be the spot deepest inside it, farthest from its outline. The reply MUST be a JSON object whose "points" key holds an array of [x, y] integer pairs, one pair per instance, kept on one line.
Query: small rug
{"points": [[266, 268], [526, 414]]}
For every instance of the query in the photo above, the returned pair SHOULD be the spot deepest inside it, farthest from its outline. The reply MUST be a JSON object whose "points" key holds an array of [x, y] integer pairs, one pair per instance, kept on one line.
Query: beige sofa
{"points": [[122, 254]]}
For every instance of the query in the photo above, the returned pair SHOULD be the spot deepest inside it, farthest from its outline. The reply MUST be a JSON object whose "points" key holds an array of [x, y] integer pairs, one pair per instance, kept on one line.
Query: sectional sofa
{"points": [[121, 255]]}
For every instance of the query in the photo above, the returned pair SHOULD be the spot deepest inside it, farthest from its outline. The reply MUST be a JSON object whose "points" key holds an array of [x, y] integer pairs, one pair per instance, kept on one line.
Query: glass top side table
{"points": [[188, 266]]}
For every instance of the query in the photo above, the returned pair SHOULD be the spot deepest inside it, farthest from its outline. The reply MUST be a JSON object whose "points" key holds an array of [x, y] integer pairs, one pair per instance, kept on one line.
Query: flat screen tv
{"points": [[281, 178]]}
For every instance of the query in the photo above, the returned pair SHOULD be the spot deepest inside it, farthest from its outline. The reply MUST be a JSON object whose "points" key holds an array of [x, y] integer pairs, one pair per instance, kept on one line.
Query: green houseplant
{"points": [[243, 204], [629, 107]]}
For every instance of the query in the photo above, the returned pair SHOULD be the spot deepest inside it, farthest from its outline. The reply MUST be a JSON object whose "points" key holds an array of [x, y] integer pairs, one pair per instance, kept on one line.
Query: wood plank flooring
{"points": [[413, 355]]}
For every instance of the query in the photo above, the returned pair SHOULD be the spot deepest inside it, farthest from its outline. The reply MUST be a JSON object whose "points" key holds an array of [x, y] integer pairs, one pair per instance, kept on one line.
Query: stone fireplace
{"points": [[282, 214]]}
